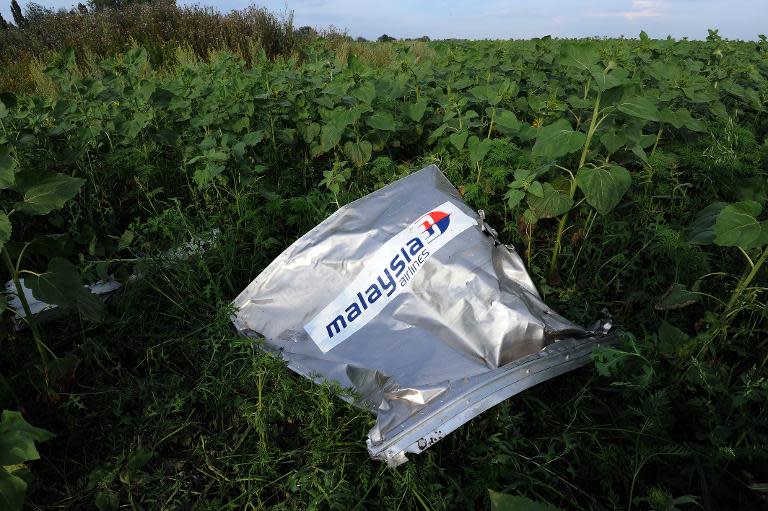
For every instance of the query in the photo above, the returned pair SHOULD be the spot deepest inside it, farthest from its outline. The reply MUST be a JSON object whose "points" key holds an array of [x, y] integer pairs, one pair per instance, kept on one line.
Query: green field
{"points": [[630, 174]]}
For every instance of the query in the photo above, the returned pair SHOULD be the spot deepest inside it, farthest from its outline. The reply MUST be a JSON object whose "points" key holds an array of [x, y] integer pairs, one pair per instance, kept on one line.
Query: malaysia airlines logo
{"points": [[386, 273], [435, 223]]}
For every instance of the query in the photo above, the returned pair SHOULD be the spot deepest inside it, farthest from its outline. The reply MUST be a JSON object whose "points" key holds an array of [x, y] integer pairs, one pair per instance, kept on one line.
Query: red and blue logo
{"points": [[434, 223]]}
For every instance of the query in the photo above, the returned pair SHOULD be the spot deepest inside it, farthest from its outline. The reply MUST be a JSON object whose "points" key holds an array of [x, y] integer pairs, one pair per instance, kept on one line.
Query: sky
{"points": [[497, 19]]}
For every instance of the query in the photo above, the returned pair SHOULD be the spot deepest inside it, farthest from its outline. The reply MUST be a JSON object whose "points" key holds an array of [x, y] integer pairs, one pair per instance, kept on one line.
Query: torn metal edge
{"points": [[43, 312], [442, 416]]}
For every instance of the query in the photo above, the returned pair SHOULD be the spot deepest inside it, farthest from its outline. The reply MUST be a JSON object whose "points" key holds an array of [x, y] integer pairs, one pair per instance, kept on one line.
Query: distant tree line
{"points": [[385, 38], [35, 12], [100, 28]]}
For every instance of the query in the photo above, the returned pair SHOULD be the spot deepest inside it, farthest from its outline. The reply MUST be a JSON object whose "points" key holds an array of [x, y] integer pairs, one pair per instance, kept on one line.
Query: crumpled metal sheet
{"points": [[428, 344]]}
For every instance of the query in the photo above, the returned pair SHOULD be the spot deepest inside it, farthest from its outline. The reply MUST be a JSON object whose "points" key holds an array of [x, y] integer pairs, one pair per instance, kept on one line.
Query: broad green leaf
{"points": [[718, 108], [214, 155], [580, 56], [505, 502], [358, 153], [382, 121], [17, 439], [330, 135], [605, 81], [670, 117], [206, 173], [12, 491], [125, 240], [478, 148], [241, 124], [514, 197], [536, 189], [763, 239], [365, 92], [5, 229], [604, 186], [508, 122], [557, 140], [131, 128], [162, 97], [311, 132], [416, 110], [686, 499], [677, 297], [338, 88], [458, 139], [579, 102], [470, 114], [736, 225], [640, 107], [253, 138], [554, 203], [438, 132], [699, 95], [139, 459], [338, 120], [685, 119], [287, 135], [702, 229], [50, 194], [682, 118], [530, 217], [343, 117], [613, 141], [487, 93], [671, 335], [61, 285], [7, 168], [523, 175], [3, 110], [107, 501], [352, 115]]}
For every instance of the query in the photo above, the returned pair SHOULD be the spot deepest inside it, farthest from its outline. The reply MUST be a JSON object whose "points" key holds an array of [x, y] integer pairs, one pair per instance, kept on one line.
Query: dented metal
{"points": [[407, 297]]}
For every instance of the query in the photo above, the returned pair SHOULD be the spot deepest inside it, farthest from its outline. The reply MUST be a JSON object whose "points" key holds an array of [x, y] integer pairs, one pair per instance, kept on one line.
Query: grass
{"points": [[229, 427]]}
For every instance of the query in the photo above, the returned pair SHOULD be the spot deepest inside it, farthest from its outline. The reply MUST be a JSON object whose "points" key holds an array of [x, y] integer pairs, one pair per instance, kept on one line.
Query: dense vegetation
{"points": [[630, 173], [160, 27]]}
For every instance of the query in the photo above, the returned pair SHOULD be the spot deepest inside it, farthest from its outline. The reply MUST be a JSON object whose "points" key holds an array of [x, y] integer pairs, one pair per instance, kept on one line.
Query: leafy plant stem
{"points": [[272, 130], [744, 283], [528, 254], [490, 126], [658, 137], [41, 347], [564, 218], [588, 227]]}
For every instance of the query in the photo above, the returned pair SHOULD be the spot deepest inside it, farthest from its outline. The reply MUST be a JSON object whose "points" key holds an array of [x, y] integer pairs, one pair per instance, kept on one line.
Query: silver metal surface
{"points": [[426, 345], [43, 312]]}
